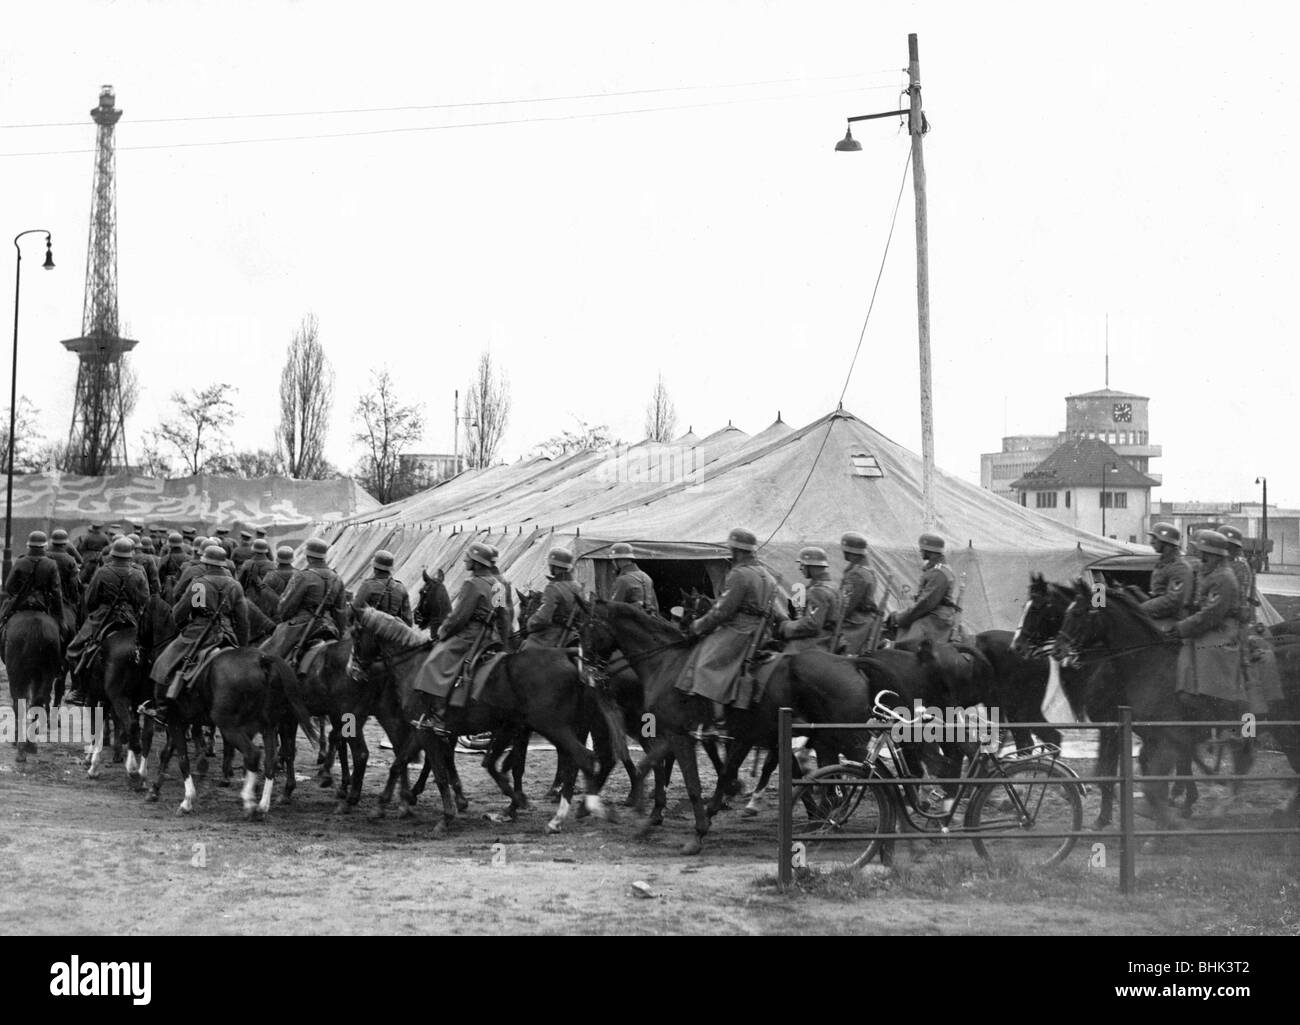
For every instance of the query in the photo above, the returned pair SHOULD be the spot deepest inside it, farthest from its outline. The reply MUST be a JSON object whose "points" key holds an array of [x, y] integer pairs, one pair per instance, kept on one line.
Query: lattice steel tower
{"points": [[97, 438]]}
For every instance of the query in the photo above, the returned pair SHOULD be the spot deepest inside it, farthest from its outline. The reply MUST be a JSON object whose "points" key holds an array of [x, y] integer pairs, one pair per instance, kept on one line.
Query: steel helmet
{"points": [[560, 558], [214, 555], [59, 538], [284, 555], [188, 532], [122, 548], [261, 547], [742, 540], [622, 550], [1232, 535], [317, 549], [37, 539], [853, 543], [931, 543], [1212, 542], [811, 556], [201, 543], [382, 560], [483, 554], [146, 545], [1166, 532], [175, 540], [135, 538]]}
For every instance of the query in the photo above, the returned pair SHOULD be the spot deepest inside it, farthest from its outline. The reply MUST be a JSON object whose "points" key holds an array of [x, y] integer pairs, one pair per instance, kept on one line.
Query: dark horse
{"points": [[1136, 666], [243, 692], [433, 604], [538, 690], [816, 685], [33, 660]]}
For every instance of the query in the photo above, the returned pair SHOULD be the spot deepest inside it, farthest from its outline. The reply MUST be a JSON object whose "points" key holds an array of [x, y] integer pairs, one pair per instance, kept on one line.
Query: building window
{"points": [[1067, 500], [1022, 498], [1113, 499], [865, 465], [1045, 499], [1132, 539]]}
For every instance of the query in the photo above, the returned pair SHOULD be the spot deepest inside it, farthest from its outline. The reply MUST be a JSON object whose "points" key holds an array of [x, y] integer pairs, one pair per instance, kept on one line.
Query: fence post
{"points": [[785, 803], [1128, 843]]}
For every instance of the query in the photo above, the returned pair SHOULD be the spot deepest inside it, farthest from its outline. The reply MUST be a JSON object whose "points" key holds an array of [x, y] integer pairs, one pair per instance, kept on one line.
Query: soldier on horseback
{"points": [[1172, 581], [172, 565], [147, 566], [244, 550], [211, 614], [631, 583], [91, 545], [312, 608], [118, 593], [819, 624], [859, 612], [1246, 618], [188, 541], [1209, 661], [255, 568], [277, 580], [934, 612], [731, 630], [556, 619], [68, 580], [33, 585], [479, 608], [383, 591]]}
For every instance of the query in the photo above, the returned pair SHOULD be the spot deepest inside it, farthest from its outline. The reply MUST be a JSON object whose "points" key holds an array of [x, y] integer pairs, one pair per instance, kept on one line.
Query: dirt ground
{"points": [[90, 856]]}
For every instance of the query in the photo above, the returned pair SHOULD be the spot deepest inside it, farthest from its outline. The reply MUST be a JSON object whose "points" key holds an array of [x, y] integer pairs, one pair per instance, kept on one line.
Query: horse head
{"points": [[1043, 615]]}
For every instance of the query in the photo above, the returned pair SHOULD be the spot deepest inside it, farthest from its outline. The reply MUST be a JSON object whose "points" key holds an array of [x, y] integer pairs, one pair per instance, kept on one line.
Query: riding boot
{"points": [[433, 716]]}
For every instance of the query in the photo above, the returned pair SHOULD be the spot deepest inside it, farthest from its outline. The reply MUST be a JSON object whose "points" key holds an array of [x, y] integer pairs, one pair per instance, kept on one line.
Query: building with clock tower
{"points": [[1102, 460]]}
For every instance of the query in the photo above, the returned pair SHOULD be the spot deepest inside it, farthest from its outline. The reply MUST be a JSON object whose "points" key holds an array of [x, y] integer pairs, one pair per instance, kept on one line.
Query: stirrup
{"points": [[427, 722], [154, 712]]}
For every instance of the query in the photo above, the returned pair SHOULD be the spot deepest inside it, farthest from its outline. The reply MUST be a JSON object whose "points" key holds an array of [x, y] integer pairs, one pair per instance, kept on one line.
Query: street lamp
{"points": [[1113, 467], [1263, 541], [13, 392], [917, 127]]}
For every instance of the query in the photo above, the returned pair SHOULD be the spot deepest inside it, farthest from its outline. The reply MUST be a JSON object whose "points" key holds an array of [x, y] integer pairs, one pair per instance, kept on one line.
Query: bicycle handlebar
{"points": [[893, 713]]}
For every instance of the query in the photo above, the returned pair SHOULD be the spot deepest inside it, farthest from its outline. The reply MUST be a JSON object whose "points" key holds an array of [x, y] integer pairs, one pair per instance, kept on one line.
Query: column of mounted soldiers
{"points": [[208, 584]]}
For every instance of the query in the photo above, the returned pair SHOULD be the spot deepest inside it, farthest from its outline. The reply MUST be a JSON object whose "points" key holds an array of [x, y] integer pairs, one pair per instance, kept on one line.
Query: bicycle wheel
{"points": [[1036, 797], [837, 812]]}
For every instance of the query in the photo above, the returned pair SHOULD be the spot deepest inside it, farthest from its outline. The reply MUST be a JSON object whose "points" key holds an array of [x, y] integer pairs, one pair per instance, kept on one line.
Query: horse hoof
{"points": [[553, 795], [692, 846], [580, 811], [405, 812], [628, 802], [439, 829], [498, 817], [553, 826], [182, 811], [152, 797], [645, 826], [342, 807], [462, 804], [376, 815], [223, 782], [325, 782], [92, 774], [1099, 824], [201, 767], [748, 813], [1186, 811]]}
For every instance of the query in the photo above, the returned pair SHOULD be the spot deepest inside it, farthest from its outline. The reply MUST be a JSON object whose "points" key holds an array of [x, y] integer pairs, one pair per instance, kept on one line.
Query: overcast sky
{"points": [[1124, 159]]}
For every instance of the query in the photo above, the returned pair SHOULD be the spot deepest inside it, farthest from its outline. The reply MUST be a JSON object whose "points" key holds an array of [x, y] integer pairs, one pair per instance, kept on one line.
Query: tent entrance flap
{"points": [[673, 578]]}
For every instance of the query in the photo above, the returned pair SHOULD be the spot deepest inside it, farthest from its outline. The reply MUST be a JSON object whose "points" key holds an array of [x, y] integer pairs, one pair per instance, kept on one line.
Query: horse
{"points": [[243, 692], [433, 604], [538, 690], [1137, 667], [33, 658], [816, 684]]}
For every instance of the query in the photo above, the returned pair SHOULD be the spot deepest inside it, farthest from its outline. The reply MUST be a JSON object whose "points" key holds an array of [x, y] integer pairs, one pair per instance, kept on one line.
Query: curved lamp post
{"points": [[13, 391]]}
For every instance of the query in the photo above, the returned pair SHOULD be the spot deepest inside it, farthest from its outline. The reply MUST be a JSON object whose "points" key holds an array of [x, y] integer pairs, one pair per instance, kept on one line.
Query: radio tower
{"points": [[97, 438]]}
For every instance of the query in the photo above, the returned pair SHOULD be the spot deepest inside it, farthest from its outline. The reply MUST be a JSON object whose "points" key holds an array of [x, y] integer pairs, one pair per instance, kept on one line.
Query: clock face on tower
{"points": [[1123, 413]]}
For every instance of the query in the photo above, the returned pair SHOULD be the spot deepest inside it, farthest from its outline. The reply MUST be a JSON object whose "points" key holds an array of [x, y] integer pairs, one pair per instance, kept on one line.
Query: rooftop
{"points": [[1083, 461]]}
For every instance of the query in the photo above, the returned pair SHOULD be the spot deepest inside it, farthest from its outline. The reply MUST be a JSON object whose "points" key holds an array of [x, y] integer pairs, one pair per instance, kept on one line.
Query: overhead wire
{"points": [[830, 421], [468, 103], [437, 128]]}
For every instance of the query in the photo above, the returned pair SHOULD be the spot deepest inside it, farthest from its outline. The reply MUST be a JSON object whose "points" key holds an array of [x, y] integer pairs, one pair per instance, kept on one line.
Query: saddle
{"points": [[310, 656], [753, 682], [477, 674]]}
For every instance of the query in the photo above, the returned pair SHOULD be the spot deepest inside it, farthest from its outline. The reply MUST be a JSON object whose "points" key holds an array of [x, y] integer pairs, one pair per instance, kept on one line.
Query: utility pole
{"points": [[916, 128], [455, 433]]}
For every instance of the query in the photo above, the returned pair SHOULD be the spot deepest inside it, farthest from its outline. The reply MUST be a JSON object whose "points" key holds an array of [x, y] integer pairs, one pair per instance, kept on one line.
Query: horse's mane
{"points": [[1119, 597], [389, 629], [661, 630]]}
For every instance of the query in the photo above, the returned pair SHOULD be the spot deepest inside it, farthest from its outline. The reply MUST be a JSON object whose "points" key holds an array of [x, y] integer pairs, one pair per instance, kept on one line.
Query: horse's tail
{"points": [[292, 691]]}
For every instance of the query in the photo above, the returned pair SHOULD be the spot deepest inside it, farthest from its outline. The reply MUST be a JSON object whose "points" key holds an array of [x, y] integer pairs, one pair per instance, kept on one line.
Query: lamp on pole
{"points": [[13, 392], [1113, 468], [917, 127], [1264, 526]]}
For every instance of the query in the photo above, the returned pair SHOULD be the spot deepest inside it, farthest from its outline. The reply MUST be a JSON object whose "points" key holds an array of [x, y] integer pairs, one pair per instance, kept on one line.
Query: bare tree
{"points": [[29, 455], [197, 431], [154, 462], [586, 437], [306, 396], [487, 411], [660, 414], [388, 427], [249, 464]]}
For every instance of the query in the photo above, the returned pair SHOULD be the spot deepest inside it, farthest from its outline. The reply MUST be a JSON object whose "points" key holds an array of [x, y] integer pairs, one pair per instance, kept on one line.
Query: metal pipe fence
{"points": [[1127, 834]]}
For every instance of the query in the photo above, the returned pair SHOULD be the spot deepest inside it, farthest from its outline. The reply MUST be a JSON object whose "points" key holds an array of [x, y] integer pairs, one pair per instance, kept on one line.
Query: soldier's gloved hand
{"points": [[1171, 632], [442, 634]]}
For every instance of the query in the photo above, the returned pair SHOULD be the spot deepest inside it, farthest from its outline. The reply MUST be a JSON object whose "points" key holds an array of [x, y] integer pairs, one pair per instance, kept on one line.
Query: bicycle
{"points": [[1033, 790]]}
